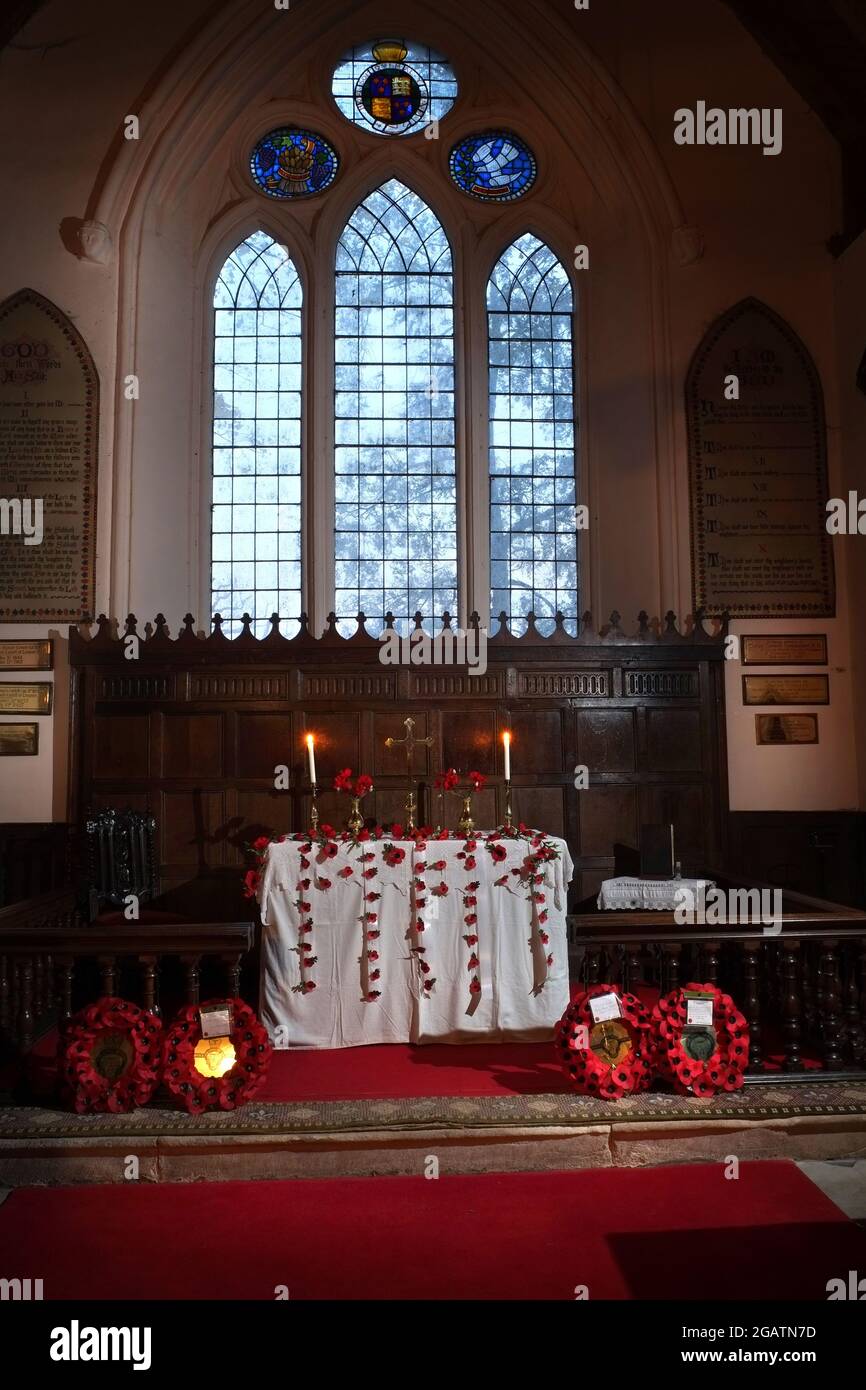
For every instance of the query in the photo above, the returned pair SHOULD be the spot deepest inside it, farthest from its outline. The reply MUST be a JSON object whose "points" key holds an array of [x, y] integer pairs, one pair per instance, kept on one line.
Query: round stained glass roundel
{"points": [[495, 167], [392, 87], [291, 163]]}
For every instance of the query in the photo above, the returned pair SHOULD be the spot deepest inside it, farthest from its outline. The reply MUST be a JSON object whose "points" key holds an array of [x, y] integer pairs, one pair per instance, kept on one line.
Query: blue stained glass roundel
{"points": [[495, 167], [291, 163]]}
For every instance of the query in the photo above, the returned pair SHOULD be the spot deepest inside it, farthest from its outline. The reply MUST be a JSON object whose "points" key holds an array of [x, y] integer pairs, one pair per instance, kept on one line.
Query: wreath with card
{"points": [[109, 1057], [701, 1040], [216, 1055], [605, 1043]]}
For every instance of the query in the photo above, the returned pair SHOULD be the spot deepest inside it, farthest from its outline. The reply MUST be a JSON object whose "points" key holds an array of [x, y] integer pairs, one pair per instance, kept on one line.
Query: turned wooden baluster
{"points": [[192, 978], [632, 966], [5, 1010], [752, 1000], [149, 984], [590, 965], [855, 1037], [807, 989], [671, 966], [832, 1016], [39, 986], [25, 1004], [65, 969], [710, 963], [108, 974], [233, 975], [791, 1004]]}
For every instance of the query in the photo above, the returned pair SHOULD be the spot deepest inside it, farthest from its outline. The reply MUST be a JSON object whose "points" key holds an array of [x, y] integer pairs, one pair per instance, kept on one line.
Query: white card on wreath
{"points": [[699, 1012], [605, 1006]]}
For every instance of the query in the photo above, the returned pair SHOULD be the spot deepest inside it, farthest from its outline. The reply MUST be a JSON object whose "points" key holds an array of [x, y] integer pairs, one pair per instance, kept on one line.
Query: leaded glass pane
{"points": [[533, 540], [392, 87], [256, 495], [396, 486]]}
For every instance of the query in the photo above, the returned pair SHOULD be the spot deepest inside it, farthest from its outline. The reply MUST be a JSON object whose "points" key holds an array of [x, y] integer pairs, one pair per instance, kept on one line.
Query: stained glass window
{"points": [[533, 540], [289, 163], [396, 489], [495, 167], [394, 88], [256, 502]]}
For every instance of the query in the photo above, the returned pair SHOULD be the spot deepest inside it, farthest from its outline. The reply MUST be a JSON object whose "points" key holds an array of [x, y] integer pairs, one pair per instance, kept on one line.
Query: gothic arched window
{"points": [[256, 500], [533, 542], [396, 486]]}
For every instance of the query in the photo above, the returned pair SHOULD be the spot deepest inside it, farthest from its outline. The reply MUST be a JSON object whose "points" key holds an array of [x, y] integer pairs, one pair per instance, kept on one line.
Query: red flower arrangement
{"points": [[109, 1057], [609, 1058], [450, 781], [252, 1051], [700, 1061], [343, 783]]}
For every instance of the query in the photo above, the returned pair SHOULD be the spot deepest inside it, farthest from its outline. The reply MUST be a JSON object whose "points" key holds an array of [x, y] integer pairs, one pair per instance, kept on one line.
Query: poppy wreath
{"points": [[609, 1059], [109, 1058], [253, 1053], [726, 1048]]}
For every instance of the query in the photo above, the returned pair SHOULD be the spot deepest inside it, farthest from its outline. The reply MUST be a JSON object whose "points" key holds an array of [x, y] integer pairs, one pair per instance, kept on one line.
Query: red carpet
{"points": [[397, 1069], [670, 1233]]}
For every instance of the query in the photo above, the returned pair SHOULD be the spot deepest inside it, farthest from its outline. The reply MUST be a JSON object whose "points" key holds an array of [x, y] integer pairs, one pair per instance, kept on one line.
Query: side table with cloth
{"points": [[521, 997]]}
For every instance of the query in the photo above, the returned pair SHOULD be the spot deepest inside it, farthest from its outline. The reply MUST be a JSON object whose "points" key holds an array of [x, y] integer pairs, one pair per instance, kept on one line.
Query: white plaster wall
{"points": [[595, 92]]}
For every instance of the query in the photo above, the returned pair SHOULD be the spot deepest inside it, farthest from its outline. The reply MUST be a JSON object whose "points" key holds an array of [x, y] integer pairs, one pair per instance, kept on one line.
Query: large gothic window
{"points": [[533, 543], [256, 499], [396, 487]]}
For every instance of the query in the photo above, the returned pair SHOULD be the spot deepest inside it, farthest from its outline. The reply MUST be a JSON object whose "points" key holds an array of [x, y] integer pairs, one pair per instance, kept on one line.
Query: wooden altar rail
{"points": [[805, 987], [42, 939]]}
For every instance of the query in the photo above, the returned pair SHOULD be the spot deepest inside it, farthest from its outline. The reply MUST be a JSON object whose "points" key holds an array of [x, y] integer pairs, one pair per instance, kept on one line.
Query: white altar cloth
{"points": [[512, 959]]}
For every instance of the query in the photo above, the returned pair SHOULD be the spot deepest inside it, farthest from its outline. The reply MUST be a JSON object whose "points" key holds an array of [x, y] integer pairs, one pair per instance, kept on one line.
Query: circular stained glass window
{"points": [[291, 163], [495, 167], [394, 88]]}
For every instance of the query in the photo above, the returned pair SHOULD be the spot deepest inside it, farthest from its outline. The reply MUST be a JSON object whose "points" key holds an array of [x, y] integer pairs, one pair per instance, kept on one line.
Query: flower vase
{"points": [[355, 823], [466, 824]]}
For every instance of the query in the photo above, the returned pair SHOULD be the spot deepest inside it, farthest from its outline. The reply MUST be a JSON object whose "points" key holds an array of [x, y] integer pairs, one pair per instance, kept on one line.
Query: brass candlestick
{"points": [[314, 811], [508, 805]]}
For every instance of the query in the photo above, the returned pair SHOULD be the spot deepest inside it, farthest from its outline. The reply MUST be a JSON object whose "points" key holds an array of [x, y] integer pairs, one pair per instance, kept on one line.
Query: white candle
{"points": [[311, 757], [506, 740]]}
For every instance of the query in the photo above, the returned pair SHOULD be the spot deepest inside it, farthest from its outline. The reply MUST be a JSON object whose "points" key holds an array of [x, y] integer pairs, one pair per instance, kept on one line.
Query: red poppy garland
{"points": [[608, 1051], [109, 1057], [704, 1049], [205, 1076]]}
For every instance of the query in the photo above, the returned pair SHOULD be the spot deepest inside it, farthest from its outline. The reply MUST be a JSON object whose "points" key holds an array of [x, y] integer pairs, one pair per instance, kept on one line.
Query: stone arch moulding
{"points": [[236, 52]]}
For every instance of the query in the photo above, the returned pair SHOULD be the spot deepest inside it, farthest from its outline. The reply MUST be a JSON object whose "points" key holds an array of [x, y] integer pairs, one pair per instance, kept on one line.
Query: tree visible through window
{"points": [[396, 489], [533, 541], [256, 501]]}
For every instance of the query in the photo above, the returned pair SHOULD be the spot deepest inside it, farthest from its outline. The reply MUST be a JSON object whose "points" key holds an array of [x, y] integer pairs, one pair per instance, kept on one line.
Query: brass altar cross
{"points": [[410, 743]]}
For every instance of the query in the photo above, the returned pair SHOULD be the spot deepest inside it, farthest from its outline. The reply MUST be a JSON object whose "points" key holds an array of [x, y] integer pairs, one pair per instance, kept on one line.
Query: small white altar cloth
{"points": [[651, 894]]}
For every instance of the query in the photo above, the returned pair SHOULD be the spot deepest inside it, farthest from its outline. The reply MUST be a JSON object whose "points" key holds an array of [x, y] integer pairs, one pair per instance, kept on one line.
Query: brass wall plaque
{"points": [[35, 655], [786, 728], [16, 739], [794, 649], [758, 471], [30, 697], [49, 395], [786, 690]]}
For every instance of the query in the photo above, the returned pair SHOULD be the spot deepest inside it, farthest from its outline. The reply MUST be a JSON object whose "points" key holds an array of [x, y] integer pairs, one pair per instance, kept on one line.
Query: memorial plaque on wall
{"points": [[49, 397], [758, 470]]}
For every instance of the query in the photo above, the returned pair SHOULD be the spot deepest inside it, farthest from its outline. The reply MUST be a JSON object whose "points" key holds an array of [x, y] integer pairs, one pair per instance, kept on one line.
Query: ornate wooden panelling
{"points": [[663, 685], [196, 732], [242, 687], [429, 686], [585, 684], [378, 687], [135, 687]]}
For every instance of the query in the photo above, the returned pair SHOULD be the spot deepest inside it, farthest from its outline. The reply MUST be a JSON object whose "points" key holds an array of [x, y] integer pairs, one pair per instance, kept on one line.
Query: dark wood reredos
{"points": [[194, 728]]}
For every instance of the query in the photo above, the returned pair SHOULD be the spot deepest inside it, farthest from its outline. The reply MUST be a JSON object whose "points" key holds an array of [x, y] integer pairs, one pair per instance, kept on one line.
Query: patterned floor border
{"points": [[333, 1117]]}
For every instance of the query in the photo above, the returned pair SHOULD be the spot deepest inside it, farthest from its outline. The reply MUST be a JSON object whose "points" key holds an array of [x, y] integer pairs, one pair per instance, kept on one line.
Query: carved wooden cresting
{"points": [[194, 728]]}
